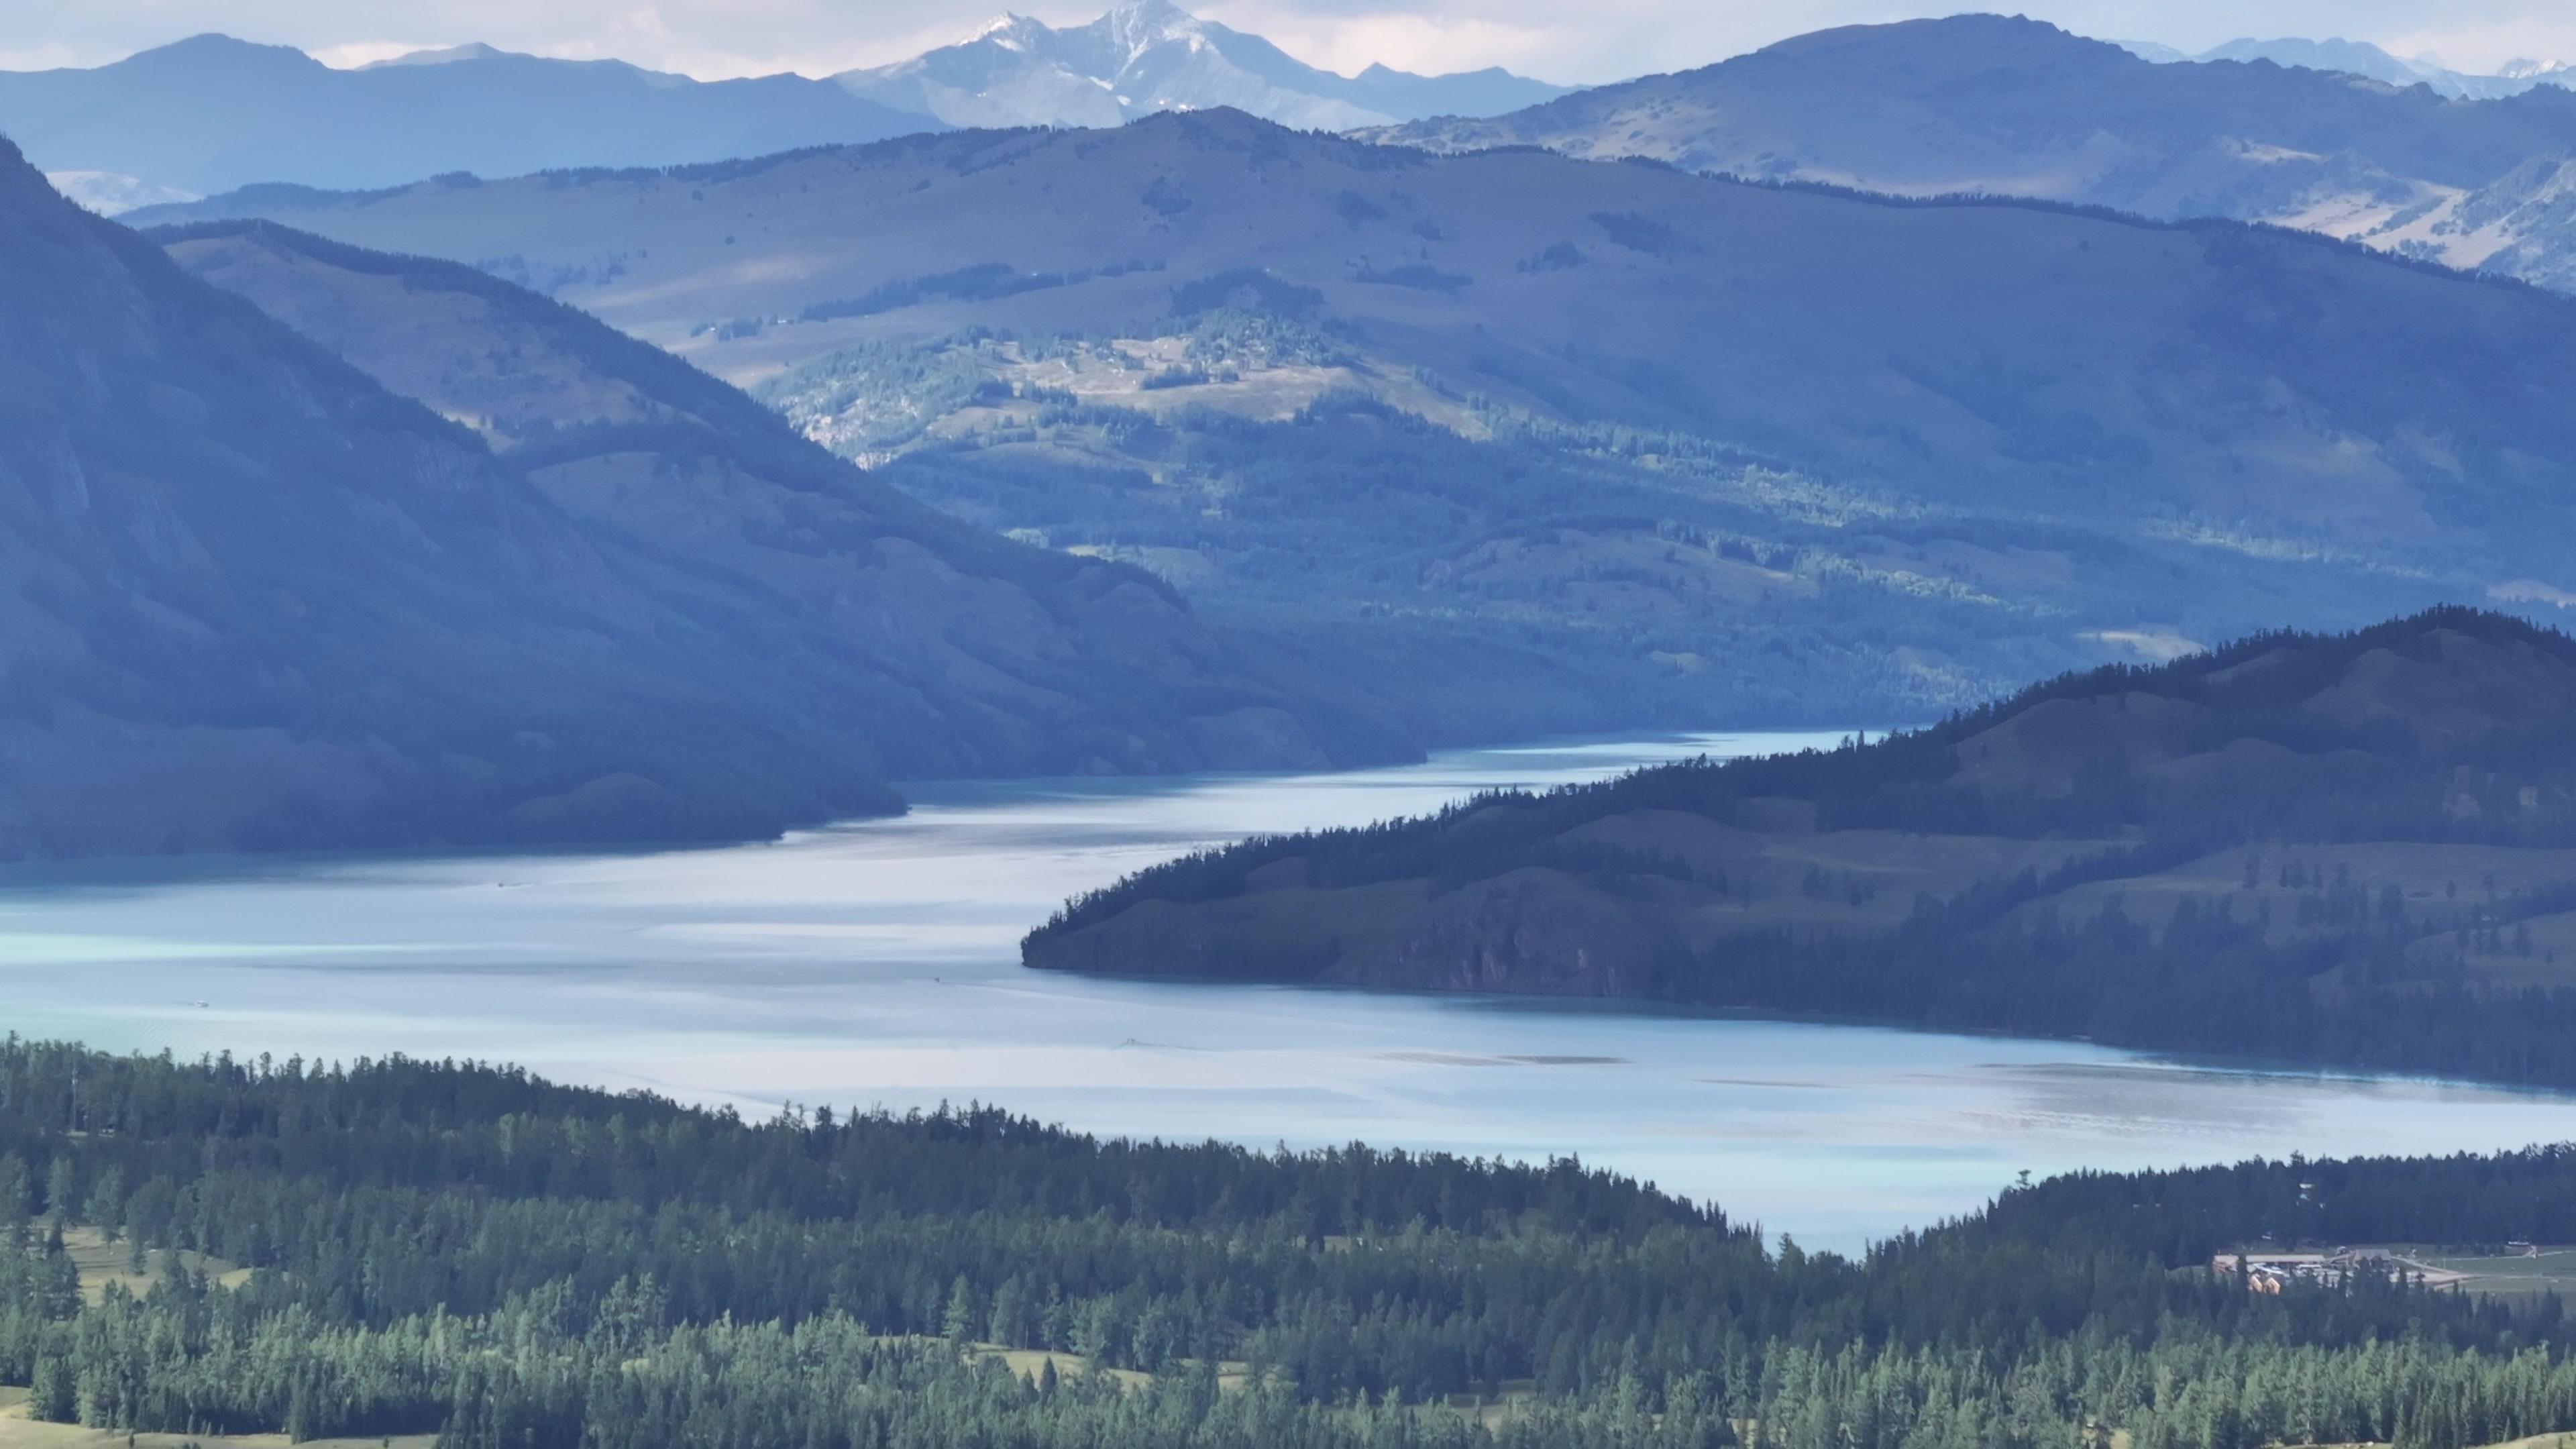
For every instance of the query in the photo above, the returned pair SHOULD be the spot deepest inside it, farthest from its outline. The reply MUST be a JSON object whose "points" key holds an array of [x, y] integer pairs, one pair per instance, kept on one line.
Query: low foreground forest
{"points": [[402, 1247], [2354, 849]]}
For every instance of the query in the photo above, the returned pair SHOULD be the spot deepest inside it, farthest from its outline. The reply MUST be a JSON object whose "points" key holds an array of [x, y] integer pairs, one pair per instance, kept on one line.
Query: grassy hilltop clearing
{"points": [[466, 1257], [2355, 849], [1521, 443]]}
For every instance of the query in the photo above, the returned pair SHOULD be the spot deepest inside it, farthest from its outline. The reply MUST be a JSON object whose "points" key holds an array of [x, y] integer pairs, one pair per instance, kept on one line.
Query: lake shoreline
{"points": [[876, 964]]}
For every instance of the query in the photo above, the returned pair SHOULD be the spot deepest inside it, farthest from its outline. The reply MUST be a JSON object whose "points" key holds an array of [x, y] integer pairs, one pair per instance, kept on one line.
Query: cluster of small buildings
{"points": [[2273, 1272], [2269, 1272]]}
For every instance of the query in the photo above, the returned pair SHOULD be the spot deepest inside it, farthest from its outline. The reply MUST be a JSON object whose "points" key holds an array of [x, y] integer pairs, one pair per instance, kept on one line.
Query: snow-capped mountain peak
{"points": [[1134, 27], [1011, 32], [1145, 56]]}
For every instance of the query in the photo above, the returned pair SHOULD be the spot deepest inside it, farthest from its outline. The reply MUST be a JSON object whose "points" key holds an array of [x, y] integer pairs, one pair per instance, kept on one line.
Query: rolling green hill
{"points": [[262, 602], [2356, 849], [1688, 450]]}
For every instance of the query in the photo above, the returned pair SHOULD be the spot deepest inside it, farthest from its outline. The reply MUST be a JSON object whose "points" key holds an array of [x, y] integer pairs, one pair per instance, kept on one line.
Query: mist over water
{"points": [[876, 964]]}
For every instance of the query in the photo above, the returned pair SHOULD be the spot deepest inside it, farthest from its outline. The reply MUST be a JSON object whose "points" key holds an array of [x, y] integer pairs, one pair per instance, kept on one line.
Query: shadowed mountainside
{"points": [[263, 602], [1982, 103], [2357, 849]]}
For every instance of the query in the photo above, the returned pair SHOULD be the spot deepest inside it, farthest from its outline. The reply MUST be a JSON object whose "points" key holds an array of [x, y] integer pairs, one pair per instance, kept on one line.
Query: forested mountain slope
{"points": [[1686, 450], [2008, 106], [400, 1247], [211, 113], [2357, 849], [262, 602]]}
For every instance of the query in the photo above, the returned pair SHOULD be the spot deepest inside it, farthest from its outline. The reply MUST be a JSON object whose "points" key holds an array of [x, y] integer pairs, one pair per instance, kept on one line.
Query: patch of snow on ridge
{"points": [[112, 193], [1009, 31]]}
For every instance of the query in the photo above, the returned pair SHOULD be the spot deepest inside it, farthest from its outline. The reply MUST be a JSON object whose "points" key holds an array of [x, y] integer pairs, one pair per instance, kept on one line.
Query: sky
{"points": [[1599, 40]]}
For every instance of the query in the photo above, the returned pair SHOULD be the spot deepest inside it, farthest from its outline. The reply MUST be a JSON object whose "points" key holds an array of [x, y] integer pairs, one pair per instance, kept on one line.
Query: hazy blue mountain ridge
{"points": [[1515, 437], [1966, 352], [1983, 103], [212, 113], [2361, 58]]}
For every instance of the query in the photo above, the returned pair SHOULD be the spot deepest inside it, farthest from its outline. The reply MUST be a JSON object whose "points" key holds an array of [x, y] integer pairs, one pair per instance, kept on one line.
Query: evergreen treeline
{"points": [[2217, 976], [2207, 981], [473, 1250]]}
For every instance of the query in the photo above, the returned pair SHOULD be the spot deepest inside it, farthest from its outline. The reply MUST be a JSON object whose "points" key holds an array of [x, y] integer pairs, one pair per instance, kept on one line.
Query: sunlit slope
{"points": [[2008, 106], [2208, 376]]}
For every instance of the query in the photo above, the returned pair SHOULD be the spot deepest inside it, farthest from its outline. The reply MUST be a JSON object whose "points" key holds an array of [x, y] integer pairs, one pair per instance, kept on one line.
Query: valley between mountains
{"points": [[564, 625], [1508, 443], [264, 603]]}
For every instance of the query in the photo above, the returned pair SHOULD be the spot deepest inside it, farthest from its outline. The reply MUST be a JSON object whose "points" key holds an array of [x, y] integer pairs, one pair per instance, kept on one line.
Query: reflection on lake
{"points": [[876, 964]]}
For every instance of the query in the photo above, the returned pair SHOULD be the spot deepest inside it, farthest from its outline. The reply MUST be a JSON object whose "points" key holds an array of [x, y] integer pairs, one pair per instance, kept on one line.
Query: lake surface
{"points": [[877, 964]]}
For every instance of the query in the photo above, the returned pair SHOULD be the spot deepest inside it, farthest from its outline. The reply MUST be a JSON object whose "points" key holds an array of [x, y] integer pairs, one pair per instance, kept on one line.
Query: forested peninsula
{"points": [[398, 1247], [2353, 850]]}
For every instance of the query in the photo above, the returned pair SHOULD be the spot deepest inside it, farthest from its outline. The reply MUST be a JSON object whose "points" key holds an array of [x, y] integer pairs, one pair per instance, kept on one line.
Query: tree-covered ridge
{"points": [[1888, 781], [470, 1250], [2354, 849], [2185, 1215], [400, 1122]]}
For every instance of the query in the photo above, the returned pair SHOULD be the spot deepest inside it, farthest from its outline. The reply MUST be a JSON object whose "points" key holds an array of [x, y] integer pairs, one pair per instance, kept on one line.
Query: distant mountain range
{"points": [[1879, 341], [261, 601], [212, 114], [1548, 436], [1982, 103], [1149, 55], [2361, 58]]}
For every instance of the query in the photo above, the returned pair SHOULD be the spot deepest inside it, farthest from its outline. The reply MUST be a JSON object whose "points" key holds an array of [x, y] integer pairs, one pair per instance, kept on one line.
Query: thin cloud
{"points": [[353, 54], [2486, 47]]}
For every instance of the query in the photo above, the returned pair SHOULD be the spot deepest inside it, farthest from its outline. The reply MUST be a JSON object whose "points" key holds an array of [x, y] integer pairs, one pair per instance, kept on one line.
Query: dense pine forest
{"points": [[2286, 848], [467, 1250]]}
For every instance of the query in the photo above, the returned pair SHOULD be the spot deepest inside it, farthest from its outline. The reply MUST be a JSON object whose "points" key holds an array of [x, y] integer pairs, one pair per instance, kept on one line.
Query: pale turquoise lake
{"points": [[876, 964]]}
